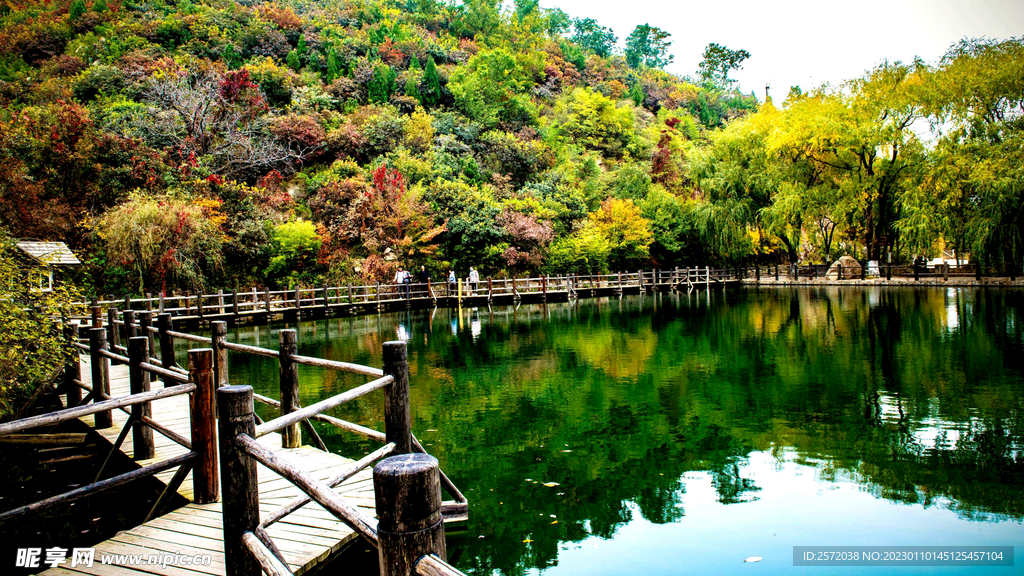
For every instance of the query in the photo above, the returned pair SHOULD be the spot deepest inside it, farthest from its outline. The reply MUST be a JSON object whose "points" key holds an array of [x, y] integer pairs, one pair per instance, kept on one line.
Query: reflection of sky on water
{"points": [[793, 502]]}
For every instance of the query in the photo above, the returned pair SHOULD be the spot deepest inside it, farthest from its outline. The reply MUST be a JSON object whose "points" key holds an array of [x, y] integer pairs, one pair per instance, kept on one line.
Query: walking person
{"points": [[400, 276]]}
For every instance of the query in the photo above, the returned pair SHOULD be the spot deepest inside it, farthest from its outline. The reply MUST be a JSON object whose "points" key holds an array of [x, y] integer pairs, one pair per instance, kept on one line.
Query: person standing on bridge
{"points": [[422, 277], [474, 278], [451, 282]]}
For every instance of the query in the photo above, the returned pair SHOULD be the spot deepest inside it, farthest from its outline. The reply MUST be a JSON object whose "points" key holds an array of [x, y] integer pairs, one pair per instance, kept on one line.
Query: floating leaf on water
{"points": [[566, 450], [555, 522], [551, 484], [527, 540], [754, 559]]}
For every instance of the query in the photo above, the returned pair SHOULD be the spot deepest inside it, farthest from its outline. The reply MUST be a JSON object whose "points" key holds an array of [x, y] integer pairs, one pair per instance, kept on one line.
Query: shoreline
{"points": [[961, 282]]}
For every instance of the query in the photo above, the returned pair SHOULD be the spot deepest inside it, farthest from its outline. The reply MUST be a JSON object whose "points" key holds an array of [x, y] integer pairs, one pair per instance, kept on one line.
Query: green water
{"points": [[687, 433]]}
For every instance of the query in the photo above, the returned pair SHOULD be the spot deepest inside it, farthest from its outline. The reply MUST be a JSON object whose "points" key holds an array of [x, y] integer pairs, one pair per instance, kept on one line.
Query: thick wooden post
{"points": [[326, 306], [203, 413], [162, 303], [219, 333], [490, 289], [72, 368], [138, 381], [100, 374], [166, 341], [220, 300], [298, 300], [149, 301], [241, 507], [397, 417], [130, 330], [917, 272], [113, 334], [199, 305], [97, 316], [127, 302], [291, 437], [266, 302], [234, 303], [145, 323], [407, 491]]}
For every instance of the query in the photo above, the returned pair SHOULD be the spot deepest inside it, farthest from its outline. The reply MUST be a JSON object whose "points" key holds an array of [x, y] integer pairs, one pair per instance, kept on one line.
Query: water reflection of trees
{"points": [[916, 394]]}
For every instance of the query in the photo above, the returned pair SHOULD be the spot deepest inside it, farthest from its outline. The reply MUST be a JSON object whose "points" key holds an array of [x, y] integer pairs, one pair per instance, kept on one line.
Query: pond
{"points": [[675, 433]]}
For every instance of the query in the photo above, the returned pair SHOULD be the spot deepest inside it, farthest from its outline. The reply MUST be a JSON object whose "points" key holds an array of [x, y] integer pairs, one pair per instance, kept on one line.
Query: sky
{"points": [[806, 42]]}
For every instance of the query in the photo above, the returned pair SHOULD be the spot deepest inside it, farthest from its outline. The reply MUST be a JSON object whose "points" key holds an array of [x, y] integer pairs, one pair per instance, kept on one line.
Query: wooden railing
{"points": [[397, 437], [265, 304], [201, 457]]}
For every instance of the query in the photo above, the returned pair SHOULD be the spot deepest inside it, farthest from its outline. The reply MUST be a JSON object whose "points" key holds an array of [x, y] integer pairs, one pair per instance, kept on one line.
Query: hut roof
{"points": [[52, 253]]}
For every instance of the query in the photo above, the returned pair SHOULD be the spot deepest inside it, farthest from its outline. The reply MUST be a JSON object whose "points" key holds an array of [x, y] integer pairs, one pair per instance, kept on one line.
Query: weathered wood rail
{"points": [[247, 544]]}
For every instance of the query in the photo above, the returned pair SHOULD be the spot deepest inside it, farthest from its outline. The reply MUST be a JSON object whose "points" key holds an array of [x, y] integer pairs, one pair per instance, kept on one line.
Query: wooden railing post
{"points": [[407, 491], [73, 368], [160, 308], [149, 301], [145, 323], [127, 302], [291, 437], [298, 300], [234, 303], [166, 341], [977, 271], [266, 302], [219, 335], [240, 507], [97, 316], [917, 272], [100, 374], [397, 417], [326, 305], [220, 300], [776, 272], [490, 289], [130, 331], [757, 273], [203, 414], [138, 381], [113, 334]]}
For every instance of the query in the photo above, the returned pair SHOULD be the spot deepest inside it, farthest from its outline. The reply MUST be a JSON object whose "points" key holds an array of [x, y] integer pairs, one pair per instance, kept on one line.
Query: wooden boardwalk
{"points": [[305, 537]]}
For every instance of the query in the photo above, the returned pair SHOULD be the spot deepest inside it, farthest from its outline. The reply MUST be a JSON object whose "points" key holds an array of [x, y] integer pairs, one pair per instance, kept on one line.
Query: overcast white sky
{"points": [[806, 42]]}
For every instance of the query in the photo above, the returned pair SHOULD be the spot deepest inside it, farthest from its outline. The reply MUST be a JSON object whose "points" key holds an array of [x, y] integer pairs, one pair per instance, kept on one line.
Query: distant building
{"points": [[49, 256]]}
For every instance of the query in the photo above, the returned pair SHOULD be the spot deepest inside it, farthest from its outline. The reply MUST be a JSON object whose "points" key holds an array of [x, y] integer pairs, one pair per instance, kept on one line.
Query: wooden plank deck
{"points": [[305, 537]]}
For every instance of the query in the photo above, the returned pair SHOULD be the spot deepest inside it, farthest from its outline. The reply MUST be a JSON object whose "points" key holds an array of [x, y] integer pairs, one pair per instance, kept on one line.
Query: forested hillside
{"points": [[205, 144]]}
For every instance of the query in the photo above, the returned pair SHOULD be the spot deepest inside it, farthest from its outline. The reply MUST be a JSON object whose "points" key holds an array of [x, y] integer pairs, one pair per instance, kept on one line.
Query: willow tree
{"points": [[971, 194], [165, 240], [860, 143]]}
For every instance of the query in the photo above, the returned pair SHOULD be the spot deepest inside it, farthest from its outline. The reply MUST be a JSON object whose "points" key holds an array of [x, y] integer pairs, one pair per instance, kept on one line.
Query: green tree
{"points": [[590, 35], [76, 10], [293, 258], [380, 88], [430, 87], [99, 6], [718, 62], [293, 60], [647, 46]]}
